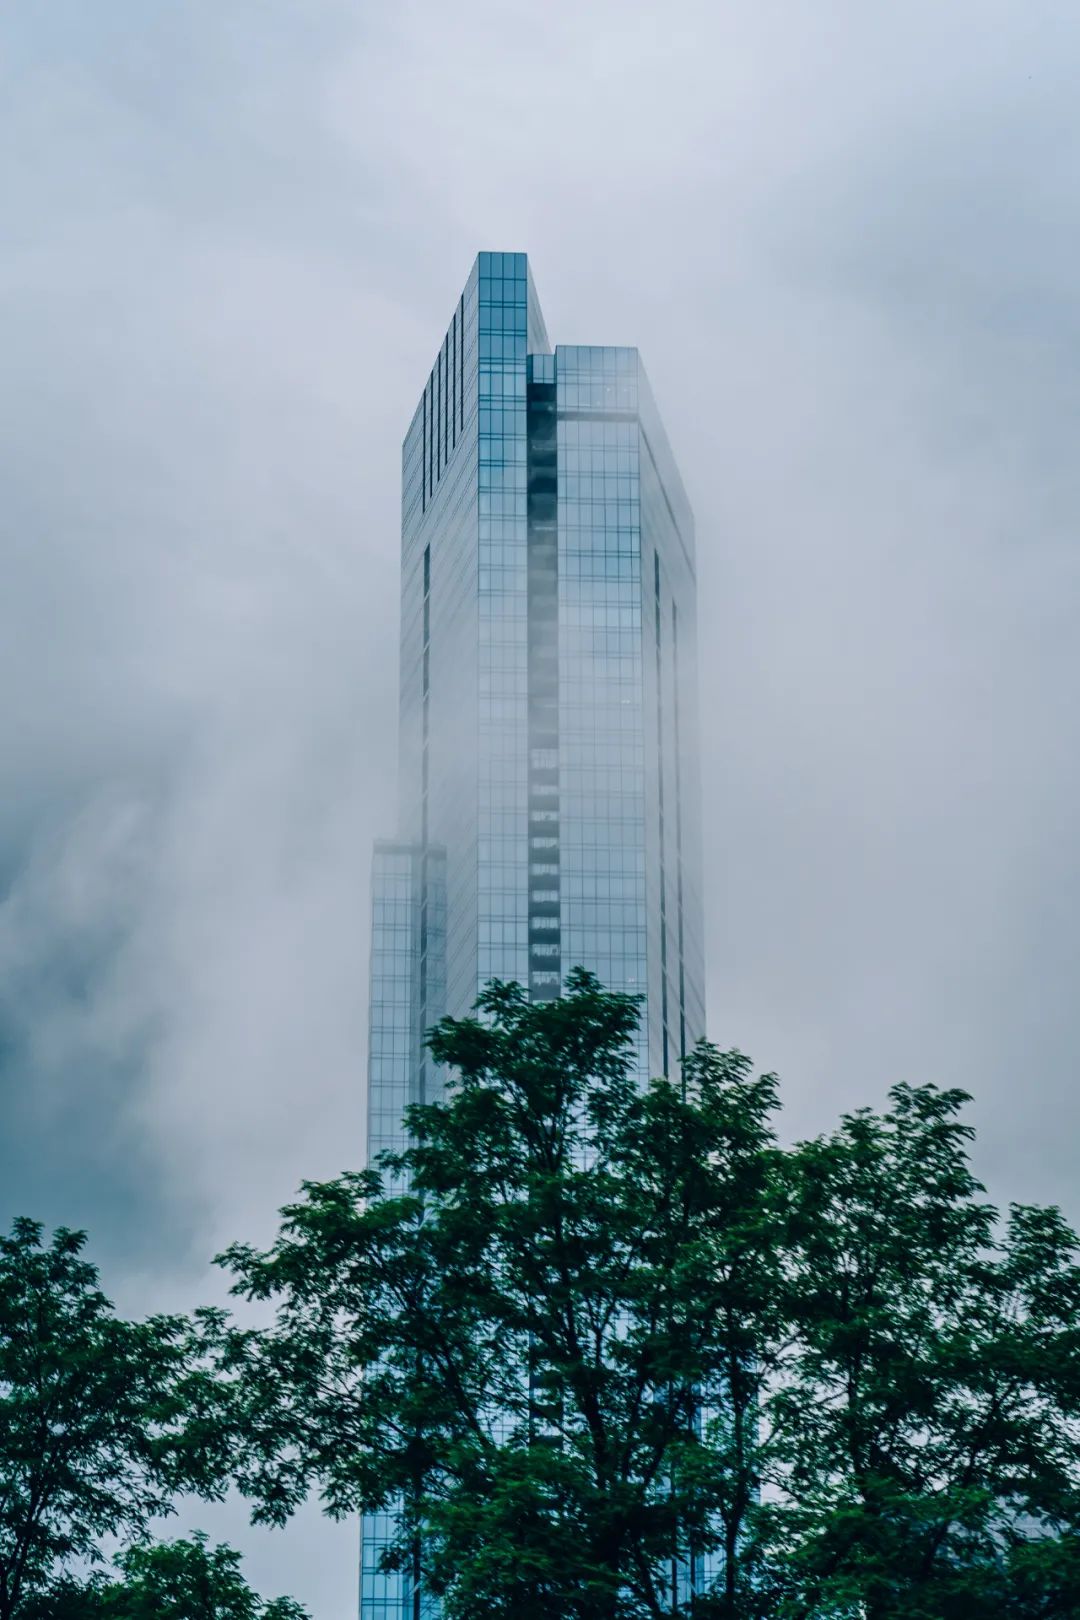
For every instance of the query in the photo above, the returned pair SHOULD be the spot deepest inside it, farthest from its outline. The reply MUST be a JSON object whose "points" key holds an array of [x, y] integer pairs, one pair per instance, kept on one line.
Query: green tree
{"points": [[172, 1580], [928, 1418], [586, 1334], [99, 1417], [522, 1348], [188, 1580]]}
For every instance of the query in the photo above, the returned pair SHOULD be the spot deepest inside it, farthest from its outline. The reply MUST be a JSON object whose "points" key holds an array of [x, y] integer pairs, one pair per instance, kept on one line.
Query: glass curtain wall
{"points": [[548, 812]]}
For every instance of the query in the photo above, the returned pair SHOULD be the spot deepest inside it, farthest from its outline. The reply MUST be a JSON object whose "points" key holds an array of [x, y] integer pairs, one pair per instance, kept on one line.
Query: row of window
{"points": [[597, 396], [501, 346], [503, 316], [496, 381], [505, 420], [597, 460], [443, 405], [590, 358], [600, 517], [603, 485], [606, 567], [501, 264], [502, 504]]}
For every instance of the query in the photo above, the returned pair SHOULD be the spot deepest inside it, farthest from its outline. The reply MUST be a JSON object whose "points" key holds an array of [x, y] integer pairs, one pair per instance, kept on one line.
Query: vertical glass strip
{"points": [[445, 400], [676, 680], [660, 800], [545, 949]]}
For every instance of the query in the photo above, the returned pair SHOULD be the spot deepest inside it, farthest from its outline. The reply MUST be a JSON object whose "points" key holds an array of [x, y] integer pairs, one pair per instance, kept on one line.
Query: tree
{"points": [[97, 1414], [928, 1416], [188, 1580], [521, 1349], [173, 1580], [589, 1336]]}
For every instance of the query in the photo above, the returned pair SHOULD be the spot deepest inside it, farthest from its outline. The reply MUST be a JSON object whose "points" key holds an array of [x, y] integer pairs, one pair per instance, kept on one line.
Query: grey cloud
{"points": [[844, 238]]}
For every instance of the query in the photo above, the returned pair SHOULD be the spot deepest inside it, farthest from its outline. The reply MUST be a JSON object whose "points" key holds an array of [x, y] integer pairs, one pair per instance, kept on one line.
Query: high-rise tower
{"points": [[549, 801]]}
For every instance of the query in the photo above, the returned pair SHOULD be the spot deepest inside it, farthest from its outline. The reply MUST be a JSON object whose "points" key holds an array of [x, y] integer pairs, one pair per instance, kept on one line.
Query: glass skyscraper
{"points": [[549, 802]]}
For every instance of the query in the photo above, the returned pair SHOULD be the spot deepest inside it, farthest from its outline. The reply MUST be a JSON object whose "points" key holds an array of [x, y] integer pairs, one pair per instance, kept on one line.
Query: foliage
{"points": [[188, 1580], [926, 1424], [96, 1414], [513, 1340], [589, 1336], [585, 1339], [176, 1580]]}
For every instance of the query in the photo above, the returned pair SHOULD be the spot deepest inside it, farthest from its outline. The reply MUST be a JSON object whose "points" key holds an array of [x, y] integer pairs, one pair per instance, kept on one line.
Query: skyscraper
{"points": [[549, 801]]}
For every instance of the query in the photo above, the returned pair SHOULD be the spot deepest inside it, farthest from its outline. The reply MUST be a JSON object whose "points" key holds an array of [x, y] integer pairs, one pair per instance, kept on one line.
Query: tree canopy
{"points": [[612, 1352], [170, 1580], [514, 1347], [97, 1415], [601, 1349]]}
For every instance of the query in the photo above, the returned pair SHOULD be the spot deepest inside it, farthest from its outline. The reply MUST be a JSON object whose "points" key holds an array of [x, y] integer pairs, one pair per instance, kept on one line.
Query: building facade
{"points": [[549, 801]]}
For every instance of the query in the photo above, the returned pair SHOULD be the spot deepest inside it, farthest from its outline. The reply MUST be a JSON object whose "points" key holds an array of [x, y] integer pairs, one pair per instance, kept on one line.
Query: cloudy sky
{"points": [[845, 236]]}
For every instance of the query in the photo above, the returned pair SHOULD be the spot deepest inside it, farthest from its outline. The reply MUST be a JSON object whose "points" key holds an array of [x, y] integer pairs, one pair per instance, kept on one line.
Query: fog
{"points": [[844, 238]]}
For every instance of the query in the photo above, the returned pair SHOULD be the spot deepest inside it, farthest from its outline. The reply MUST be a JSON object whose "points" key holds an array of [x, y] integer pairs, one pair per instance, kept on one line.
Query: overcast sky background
{"points": [[846, 238]]}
